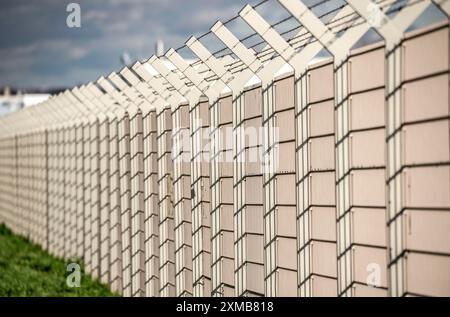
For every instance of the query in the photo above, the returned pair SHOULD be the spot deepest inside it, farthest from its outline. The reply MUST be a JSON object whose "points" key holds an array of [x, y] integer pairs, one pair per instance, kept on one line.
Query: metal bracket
{"points": [[111, 109], [309, 21], [156, 83], [123, 87], [77, 95], [212, 91], [99, 110], [133, 79], [140, 88], [83, 108], [235, 83], [391, 30], [70, 110], [319, 30], [267, 32], [444, 5], [213, 63], [299, 61], [191, 94], [109, 88], [246, 55]]}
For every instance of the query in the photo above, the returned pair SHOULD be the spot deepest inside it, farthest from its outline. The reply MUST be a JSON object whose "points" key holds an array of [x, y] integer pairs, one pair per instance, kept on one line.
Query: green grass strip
{"points": [[27, 270]]}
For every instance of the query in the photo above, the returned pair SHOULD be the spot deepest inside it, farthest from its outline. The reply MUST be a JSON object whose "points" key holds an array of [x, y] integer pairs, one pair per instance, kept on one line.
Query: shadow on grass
{"points": [[28, 270]]}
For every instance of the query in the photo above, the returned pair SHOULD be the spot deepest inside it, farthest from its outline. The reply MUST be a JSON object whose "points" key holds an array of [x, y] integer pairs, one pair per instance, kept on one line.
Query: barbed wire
{"points": [[267, 51], [348, 20], [298, 41]]}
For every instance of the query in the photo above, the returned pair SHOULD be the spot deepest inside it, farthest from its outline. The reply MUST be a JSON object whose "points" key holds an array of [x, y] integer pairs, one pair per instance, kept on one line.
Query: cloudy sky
{"points": [[37, 49]]}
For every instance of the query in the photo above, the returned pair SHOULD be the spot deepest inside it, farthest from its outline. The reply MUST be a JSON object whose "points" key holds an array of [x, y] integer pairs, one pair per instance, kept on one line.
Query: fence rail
{"points": [[256, 173]]}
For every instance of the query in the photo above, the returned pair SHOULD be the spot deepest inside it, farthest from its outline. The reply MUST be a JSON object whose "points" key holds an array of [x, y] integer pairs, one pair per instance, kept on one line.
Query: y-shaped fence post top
{"points": [[309, 20], [156, 83], [74, 110], [109, 107], [94, 95], [235, 82], [275, 40], [212, 91], [135, 82], [86, 97], [122, 86], [265, 72], [392, 30], [124, 94], [139, 87], [76, 96], [263, 28], [246, 55], [444, 5], [183, 66], [59, 109], [191, 94], [106, 85], [82, 108], [212, 62], [139, 69]]}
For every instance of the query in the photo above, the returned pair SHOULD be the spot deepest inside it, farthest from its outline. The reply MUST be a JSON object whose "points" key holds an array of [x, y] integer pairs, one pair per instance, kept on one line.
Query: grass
{"points": [[27, 270]]}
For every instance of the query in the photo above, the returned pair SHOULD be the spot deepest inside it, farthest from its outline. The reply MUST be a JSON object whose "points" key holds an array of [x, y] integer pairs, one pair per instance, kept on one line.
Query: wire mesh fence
{"points": [[287, 159]]}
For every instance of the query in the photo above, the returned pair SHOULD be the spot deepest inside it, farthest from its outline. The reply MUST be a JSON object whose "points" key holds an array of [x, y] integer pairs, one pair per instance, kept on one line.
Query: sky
{"points": [[39, 50]]}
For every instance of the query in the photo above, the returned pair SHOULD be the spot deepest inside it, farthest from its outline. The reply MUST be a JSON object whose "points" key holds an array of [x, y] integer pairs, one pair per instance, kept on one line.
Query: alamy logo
{"points": [[257, 147], [73, 20], [374, 276], [375, 15], [74, 277]]}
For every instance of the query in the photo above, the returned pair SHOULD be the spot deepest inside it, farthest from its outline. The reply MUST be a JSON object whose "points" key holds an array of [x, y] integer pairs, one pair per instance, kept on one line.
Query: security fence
{"points": [[252, 173]]}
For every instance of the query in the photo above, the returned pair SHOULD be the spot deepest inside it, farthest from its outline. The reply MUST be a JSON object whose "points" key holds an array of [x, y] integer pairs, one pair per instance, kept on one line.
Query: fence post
{"points": [[392, 30], [221, 206], [342, 129], [165, 131], [136, 181], [247, 198], [299, 62], [150, 204], [279, 202], [70, 224], [184, 258]]}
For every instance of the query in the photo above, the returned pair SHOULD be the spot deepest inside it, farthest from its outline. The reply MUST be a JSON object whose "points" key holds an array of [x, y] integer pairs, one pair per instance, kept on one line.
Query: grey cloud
{"points": [[36, 41], [38, 49]]}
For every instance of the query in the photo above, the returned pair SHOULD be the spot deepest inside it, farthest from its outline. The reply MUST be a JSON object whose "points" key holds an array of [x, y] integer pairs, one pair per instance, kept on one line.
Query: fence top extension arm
{"points": [[109, 91], [235, 82], [41, 113], [165, 96], [124, 94], [77, 97], [211, 90], [248, 56], [444, 5], [392, 30], [192, 94], [299, 61], [110, 107], [144, 89], [99, 109], [61, 108], [83, 109], [117, 94], [138, 93]]}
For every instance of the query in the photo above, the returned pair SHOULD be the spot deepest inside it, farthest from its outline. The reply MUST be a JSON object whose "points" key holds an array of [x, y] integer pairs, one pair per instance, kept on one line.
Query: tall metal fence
{"points": [[253, 173]]}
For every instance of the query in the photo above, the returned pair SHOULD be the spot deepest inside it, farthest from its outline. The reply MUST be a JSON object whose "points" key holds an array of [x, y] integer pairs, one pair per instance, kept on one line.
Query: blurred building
{"points": [[11, 100]]}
